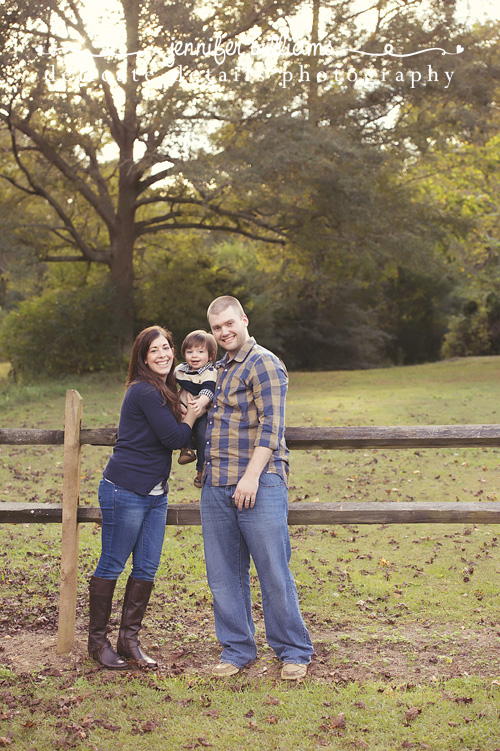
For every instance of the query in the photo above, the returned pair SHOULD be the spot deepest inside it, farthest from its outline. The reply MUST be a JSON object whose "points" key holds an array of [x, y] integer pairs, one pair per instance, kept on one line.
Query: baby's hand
{"points": [[198, 408], [194, 405], [199, 404]]}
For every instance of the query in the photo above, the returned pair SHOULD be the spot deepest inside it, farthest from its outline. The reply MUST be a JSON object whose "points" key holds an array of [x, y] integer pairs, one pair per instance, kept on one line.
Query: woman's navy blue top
{"points": [[147, 434]]}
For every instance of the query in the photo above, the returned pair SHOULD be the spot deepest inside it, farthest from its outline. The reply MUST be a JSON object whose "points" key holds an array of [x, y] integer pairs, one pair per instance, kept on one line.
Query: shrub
{"points": [[468, 333], [62, 331]]}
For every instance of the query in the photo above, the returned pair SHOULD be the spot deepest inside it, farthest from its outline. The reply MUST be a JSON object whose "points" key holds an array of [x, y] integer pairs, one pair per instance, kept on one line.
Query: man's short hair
{"points": [[220, 304], [200, 338]]}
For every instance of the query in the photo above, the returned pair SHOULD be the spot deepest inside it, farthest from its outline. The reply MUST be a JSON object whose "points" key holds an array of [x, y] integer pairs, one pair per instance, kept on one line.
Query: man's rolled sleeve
{"points": [[270, 384]]}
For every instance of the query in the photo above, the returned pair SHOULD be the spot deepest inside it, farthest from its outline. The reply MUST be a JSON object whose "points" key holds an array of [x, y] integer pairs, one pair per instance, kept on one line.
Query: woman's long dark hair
{"points": [[139, 371]]}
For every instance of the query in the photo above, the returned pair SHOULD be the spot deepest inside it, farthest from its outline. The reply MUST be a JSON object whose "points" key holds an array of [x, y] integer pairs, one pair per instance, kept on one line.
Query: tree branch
{"points": [[213, 228], [54, 157], [246, 216], [89, 253], [115, 124]]}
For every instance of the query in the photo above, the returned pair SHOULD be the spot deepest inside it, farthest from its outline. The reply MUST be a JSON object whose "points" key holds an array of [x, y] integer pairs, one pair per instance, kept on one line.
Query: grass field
{"points": [[405, 619]]}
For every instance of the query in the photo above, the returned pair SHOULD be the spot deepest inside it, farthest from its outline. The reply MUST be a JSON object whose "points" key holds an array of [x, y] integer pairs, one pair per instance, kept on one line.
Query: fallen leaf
{"points": [[272, 700], [338, 722], [109, 726], [411, 713], [272, 719]]}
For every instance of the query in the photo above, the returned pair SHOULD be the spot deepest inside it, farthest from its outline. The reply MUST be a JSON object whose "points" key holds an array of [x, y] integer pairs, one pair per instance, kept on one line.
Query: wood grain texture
{"points": [[390, 436], [376, 512], [395, 436], [69, 518]]}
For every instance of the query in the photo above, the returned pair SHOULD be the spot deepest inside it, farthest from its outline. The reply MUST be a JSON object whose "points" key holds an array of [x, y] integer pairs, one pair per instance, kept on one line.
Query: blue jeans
{"points": [[131, 524], [230, 537]]}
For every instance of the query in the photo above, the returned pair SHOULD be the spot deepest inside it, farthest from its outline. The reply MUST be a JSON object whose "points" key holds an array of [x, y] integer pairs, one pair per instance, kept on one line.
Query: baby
{"points": [[196, 377]]}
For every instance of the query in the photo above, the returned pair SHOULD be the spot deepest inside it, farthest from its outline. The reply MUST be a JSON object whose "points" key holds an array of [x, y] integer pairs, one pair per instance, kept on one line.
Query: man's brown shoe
{"points": [[224, 670], [293, 672]]}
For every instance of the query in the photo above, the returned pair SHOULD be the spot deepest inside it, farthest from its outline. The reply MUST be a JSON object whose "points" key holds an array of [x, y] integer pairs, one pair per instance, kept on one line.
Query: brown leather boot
{"points": [[137, 594], [101, 596]]}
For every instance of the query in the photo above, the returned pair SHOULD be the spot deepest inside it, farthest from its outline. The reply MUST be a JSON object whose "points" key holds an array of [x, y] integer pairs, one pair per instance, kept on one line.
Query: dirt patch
{"points": [[31, 652], [413, 654]]}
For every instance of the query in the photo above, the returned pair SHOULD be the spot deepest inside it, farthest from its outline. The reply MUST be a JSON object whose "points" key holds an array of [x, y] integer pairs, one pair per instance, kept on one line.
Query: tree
{"points": [[64, 121], [166, 132]]}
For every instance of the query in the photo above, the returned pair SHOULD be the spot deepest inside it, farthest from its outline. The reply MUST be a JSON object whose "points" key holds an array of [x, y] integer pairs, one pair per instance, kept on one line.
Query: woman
{"points": [[133, 496]]}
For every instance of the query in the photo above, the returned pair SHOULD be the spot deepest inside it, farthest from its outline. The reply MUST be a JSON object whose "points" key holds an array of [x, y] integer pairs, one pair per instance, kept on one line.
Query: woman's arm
{"points": [[170, 433]]}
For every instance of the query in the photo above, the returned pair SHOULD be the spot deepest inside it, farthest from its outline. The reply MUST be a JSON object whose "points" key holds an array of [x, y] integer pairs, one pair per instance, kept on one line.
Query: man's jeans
{"points": [[230, 537], [131, 524]]}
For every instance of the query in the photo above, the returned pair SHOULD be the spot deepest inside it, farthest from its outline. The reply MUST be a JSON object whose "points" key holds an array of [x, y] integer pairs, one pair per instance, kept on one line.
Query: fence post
{"points": [[69, 543]]}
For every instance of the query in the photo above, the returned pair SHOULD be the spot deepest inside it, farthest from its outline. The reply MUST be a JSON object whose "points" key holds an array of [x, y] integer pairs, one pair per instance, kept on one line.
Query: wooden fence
{"points": [[70, 514]]}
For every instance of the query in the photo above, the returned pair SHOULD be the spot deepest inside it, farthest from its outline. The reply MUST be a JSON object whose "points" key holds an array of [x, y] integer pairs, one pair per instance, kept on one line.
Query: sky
{"points": [[103, 15], [468, 9]]}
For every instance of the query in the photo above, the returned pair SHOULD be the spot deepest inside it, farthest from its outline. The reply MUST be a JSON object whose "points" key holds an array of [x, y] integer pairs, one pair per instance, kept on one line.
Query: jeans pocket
{"points": [[106, 494], [270, 480]]}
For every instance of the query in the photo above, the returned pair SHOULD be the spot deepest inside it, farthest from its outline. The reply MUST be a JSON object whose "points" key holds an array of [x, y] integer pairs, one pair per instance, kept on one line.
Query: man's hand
{"points": [[246, 489]]}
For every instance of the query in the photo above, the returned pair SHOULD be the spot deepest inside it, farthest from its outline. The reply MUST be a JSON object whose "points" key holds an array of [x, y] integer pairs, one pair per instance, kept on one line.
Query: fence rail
{"points": [[396, 436], [70, 514], [372, 512]]}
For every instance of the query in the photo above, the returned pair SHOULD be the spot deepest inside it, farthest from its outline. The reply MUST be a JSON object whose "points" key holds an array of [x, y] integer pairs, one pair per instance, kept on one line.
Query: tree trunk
{"points": [[123, 233], [122, 275]]}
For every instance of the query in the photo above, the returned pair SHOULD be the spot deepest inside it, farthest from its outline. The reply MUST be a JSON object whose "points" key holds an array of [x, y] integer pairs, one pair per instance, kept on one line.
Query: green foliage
{"points": [[330, 327], [310, 318], [414, 314], [176, 281], [62, 331], [476, 330]]}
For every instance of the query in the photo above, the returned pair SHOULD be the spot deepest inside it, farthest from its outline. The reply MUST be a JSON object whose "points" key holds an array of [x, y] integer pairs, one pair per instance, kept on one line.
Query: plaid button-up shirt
{"points": [[248, 411]]}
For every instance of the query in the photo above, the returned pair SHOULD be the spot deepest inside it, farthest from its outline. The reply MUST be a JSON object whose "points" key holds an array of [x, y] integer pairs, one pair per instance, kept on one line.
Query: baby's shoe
{"points": [[187, 456], [197, 479]]}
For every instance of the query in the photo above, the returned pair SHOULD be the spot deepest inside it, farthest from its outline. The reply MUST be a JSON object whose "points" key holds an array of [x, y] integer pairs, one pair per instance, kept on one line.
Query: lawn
{"points": [[405, 619]]}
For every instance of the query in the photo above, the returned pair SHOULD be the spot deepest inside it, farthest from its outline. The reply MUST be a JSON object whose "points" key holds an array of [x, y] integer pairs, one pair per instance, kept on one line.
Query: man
{"points": [[244, 500]]}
